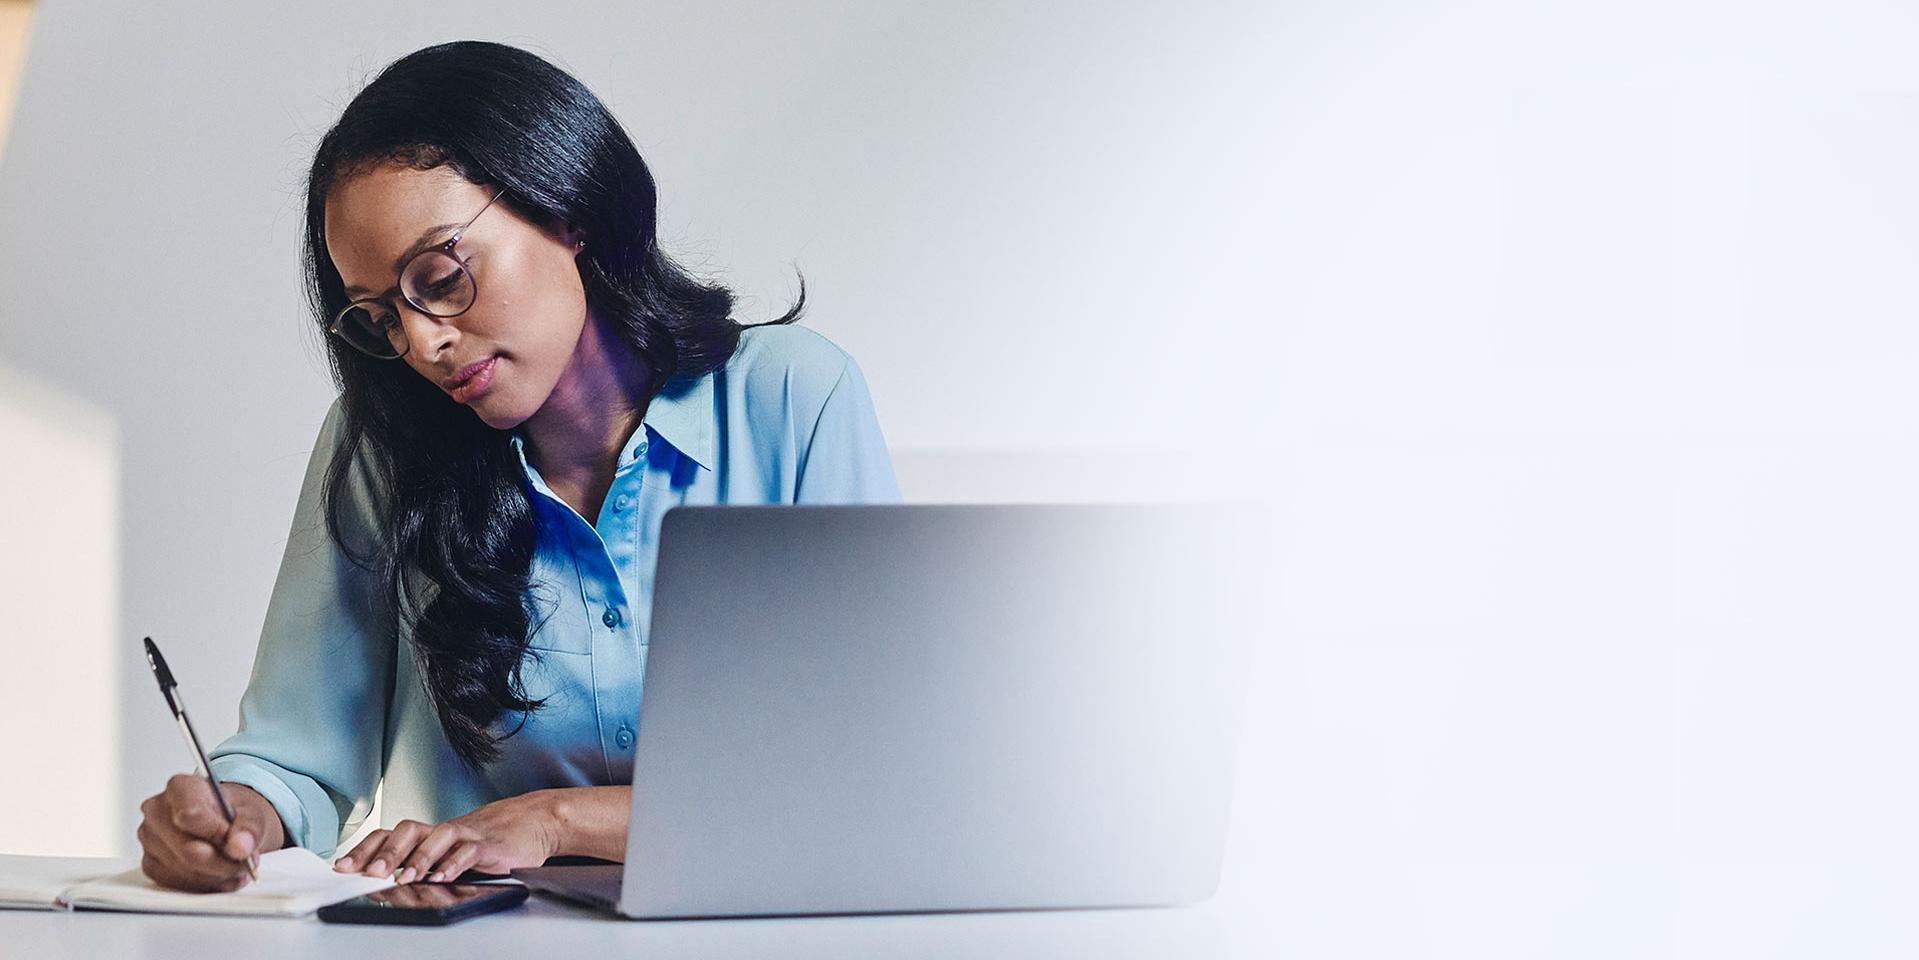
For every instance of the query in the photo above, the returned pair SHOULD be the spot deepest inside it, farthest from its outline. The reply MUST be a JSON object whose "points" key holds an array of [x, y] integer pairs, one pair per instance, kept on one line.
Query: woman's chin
{"points": [[493, 415]]}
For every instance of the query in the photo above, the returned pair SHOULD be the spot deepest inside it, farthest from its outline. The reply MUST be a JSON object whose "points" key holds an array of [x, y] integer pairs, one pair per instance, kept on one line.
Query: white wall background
{"points": [[1576, 342]]}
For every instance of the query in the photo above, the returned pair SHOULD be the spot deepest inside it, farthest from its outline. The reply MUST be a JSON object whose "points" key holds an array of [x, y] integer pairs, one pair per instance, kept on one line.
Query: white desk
{"points": [[546, 929]]}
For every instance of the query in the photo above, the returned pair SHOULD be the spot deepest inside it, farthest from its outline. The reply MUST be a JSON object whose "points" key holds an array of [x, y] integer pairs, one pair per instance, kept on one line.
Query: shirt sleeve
{"points": [[313, 718], [845, 460]]}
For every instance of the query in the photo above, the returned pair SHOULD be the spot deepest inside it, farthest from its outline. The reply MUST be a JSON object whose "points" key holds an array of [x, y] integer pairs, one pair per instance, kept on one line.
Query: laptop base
{"points": [[595, 886]]}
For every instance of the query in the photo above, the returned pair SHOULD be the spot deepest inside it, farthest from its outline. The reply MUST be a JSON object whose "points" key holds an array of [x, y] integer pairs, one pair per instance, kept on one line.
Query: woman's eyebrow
{"points": [[424, 241]]}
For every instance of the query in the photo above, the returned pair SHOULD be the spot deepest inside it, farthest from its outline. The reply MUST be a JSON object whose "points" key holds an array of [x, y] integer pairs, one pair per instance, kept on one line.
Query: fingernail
{"points": [[436, 877], [377, 867], [406, 876], [245, 840], [344, 863]]}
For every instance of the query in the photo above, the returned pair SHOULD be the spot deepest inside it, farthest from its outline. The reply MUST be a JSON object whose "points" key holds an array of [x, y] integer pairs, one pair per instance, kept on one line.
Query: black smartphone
{"points": [[426, 904]]}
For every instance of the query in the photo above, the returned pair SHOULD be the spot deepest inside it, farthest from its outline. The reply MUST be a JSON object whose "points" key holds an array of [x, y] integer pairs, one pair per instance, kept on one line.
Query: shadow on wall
{"points": [[60, 619]]}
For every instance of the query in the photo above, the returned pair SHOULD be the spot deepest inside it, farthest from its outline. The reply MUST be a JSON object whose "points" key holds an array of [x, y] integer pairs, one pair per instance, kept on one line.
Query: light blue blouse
{"points": [[336, 707]]}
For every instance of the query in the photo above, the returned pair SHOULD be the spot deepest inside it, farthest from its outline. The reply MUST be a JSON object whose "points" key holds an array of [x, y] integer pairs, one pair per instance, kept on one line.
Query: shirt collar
{"points": [[681, 413]]}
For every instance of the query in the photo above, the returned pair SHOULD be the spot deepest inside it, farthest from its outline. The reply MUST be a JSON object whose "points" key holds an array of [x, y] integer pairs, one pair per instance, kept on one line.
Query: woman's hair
{"points": [[456, 510]]}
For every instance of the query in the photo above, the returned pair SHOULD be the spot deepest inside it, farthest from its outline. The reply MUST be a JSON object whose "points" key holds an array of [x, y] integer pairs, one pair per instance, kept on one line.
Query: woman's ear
{"points": [[567, 233]]}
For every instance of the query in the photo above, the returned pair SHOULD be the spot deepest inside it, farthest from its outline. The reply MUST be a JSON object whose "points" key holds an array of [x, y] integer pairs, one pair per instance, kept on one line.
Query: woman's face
{"points": [[529, 308]]}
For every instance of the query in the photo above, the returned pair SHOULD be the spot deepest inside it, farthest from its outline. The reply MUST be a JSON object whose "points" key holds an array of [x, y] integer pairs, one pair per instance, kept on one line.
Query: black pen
{"points": [[171, 690]]}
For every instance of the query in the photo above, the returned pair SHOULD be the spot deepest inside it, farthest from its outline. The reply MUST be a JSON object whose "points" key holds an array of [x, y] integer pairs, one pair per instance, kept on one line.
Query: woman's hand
{"points": [[188, 844], [519, 831]]}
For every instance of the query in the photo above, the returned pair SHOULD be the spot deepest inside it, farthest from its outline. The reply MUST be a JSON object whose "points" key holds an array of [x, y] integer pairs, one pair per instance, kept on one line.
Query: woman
{"points": [[526, 385]]}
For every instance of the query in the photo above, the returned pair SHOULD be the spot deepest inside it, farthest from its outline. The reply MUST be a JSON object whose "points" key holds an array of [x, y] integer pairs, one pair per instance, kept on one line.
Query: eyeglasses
{"points": [[434, 281]]}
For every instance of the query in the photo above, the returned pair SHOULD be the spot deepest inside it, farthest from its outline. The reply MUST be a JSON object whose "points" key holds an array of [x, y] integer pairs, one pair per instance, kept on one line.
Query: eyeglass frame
{"points": [[443, 247]]}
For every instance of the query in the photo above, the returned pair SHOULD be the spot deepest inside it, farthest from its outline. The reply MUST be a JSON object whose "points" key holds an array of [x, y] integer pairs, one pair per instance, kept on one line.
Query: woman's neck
{"points": [[593, 410]]}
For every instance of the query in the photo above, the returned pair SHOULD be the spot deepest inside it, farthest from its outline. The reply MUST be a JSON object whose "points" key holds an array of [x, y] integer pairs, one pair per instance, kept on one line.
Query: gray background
{"points": [[1576, 346]]}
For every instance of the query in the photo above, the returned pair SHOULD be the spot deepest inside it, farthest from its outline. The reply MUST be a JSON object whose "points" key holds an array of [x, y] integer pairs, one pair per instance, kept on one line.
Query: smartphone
{"points": [[426, 904]]}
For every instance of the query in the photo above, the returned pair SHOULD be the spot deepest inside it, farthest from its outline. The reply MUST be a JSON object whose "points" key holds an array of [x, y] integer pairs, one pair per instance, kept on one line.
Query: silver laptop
{"points": [[901, 707]]}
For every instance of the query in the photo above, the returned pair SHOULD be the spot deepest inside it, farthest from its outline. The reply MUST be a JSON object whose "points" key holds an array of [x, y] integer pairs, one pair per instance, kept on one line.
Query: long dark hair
{"points": [[456, 508]]}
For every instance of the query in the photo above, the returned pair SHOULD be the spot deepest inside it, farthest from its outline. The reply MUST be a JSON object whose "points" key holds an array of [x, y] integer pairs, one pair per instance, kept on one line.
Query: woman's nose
{"points": [[426, 334]]}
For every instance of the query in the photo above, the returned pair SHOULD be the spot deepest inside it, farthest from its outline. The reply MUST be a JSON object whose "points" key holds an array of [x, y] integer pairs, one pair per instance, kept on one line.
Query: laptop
{"points": [[886, 708]]}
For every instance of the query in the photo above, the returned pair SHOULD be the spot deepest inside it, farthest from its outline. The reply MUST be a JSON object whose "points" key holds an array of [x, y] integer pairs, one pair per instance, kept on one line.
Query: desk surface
{"points": [[547, 929]]}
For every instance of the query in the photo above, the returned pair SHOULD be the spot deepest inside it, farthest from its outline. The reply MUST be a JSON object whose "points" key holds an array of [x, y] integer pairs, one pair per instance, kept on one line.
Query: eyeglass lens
{"points": [[434, 281]]}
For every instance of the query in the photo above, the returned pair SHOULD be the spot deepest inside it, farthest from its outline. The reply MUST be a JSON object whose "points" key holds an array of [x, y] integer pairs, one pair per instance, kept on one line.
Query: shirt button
{"points": [[624, 738], [611, 618], [622, 502]]}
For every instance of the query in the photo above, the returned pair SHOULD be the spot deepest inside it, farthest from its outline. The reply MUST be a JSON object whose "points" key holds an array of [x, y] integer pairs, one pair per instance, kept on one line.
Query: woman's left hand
{"points": [[518, 831]]}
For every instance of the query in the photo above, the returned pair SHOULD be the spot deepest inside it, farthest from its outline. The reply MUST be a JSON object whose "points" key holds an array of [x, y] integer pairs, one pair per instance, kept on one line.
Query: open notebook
{"points": [[293, 882]]}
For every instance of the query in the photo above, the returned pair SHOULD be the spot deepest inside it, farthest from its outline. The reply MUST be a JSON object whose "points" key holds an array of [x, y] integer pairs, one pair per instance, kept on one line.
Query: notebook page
{"points": [[35, 883], [293, 881]]}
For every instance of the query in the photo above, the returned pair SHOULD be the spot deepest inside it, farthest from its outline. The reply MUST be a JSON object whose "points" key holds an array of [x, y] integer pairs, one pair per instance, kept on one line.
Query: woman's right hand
{"points": [[189, 845]]}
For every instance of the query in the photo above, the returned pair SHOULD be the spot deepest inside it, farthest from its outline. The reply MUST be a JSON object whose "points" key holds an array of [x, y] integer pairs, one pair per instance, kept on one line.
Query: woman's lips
{"points": [[463, 373], [476, 382]]}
